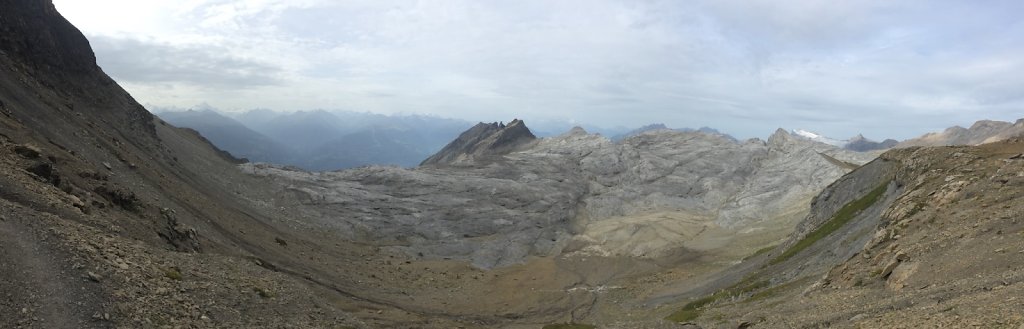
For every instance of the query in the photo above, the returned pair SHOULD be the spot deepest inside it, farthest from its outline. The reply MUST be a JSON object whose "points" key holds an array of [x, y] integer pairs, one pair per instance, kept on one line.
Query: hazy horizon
{"points": [[878, 68]]}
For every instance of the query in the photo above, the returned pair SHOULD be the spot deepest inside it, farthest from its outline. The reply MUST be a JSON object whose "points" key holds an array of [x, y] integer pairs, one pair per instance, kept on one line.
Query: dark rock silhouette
{"points": [[484, 140]]}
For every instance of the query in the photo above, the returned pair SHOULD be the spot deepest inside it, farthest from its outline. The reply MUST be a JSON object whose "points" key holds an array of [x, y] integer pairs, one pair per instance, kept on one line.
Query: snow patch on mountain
{"points": [[819, 138]]}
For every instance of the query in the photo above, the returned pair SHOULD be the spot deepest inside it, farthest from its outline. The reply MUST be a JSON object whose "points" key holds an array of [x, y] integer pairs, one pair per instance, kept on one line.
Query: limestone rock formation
{"points": [[496, 195]]}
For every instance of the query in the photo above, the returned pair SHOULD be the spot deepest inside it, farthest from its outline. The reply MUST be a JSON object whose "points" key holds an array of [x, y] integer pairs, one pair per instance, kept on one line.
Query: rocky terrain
{"points": [[497, 195], [981, 132], [111, 217], [922, 237]]}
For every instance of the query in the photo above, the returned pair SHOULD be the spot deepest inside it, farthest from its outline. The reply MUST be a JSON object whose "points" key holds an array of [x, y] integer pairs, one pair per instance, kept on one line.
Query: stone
{"points": [[889, 267], [93, 276], [897, 279]]}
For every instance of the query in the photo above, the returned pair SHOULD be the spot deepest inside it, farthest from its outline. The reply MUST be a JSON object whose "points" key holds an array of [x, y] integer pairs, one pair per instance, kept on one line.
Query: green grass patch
{"points": [[760, 252], [843, 216], [774, 291], [569, 326], [692, 310]]}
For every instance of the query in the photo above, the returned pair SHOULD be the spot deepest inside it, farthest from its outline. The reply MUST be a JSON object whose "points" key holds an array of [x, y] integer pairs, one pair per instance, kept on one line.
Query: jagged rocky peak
{"points": [[779, 138], [483, 141], [577, 130]]}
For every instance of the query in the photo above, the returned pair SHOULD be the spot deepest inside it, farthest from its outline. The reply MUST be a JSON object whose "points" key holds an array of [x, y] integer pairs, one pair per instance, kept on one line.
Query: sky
{"points": [[886, 69]]}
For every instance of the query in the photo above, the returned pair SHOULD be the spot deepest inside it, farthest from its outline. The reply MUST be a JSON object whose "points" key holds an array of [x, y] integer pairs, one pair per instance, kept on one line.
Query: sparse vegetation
{"points": [[760, 252], [173, 274], [693, 309], [265, 293], [916, 209], [771, 292], [844, 215]]}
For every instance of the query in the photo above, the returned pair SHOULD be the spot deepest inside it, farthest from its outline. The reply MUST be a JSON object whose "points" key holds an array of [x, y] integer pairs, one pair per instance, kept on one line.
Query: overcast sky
{"points": [[882, 68]]}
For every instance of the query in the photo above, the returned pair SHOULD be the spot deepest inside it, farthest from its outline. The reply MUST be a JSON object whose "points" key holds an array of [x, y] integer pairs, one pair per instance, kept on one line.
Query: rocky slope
{"points": [[981, 132], [111, 218], [922, 237]]}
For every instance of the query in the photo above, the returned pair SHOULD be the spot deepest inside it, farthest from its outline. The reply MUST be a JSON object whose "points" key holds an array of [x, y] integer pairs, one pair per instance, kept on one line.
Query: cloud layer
{"points": [[882, 68]]}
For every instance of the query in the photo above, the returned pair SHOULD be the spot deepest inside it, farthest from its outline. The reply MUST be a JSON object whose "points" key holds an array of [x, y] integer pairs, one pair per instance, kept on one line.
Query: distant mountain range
{"points": [[320, 140], [981, 132], [660, 126]]}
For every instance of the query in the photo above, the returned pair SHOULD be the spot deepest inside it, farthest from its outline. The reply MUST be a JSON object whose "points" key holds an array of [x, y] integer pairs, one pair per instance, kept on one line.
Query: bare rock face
{"points": [[497, 194], [483, 141], [35, 33]]}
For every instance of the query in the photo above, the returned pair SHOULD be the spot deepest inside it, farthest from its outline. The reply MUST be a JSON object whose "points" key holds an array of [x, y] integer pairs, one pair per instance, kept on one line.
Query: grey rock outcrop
{"points": [[496, 195]]}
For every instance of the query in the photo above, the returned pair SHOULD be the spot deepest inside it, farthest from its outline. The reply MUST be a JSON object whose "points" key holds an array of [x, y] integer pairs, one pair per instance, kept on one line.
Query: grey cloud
{"points": [[878, 67], [137, 61]]}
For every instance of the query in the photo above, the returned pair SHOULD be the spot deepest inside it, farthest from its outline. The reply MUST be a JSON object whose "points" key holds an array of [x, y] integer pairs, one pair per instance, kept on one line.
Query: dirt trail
{"points": [[41, 289]]}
